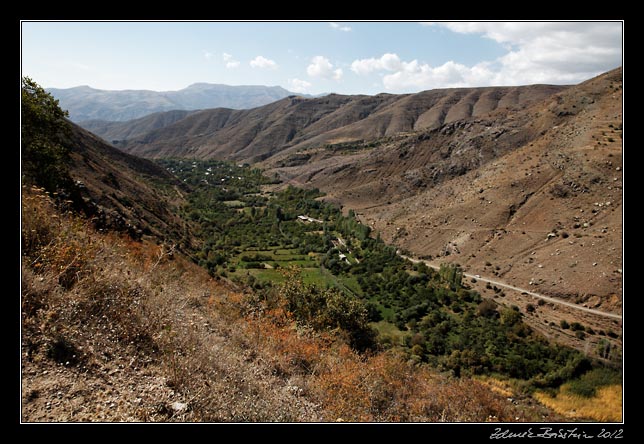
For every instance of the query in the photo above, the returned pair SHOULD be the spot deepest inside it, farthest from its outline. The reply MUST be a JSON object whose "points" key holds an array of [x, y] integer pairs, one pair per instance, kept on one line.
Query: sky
{"points": [[317, 57]]}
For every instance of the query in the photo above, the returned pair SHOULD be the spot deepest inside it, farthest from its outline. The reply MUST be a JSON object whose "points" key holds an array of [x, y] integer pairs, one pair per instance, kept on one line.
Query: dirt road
{"points": [[522, 290]]}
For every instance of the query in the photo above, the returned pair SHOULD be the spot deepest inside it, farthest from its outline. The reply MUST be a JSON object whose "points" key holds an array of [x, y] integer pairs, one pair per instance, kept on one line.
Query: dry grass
{"points": [[381, 387], [496, 385], [606, 405], [121, 330], [138, 326]]}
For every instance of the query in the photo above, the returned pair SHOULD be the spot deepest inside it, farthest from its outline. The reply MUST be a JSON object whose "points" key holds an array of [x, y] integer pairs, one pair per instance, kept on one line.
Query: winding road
{"points": [[522, 290]]}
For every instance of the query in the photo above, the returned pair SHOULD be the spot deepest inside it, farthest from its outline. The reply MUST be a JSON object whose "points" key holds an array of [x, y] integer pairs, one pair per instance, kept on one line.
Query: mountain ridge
{"points": [[87, 103], [295, 123]]}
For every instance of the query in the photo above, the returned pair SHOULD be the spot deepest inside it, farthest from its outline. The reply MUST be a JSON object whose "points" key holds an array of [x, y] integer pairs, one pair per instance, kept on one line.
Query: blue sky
{"points": [[317, 57]]}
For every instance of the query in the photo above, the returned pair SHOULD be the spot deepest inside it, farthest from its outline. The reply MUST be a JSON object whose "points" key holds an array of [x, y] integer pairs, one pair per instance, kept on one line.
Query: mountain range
{"points": [[295, 123], [86, 103]]}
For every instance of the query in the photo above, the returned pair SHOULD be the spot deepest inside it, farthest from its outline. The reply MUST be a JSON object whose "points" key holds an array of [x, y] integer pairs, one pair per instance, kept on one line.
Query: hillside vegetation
{"points": [[474, 176]]}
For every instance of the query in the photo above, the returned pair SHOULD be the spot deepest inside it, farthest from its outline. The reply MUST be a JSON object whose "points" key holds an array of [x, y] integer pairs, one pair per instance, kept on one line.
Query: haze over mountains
{"points": [[86, 103], [473, 175]]}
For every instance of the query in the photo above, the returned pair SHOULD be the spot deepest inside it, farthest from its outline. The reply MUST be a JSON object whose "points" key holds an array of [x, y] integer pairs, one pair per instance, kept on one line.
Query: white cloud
{"points": [[414, 76], [298, 86], [229, 61], [340, 27], [388, 62], [546, 52], [263, 62], [321, 67], [207, 55]]}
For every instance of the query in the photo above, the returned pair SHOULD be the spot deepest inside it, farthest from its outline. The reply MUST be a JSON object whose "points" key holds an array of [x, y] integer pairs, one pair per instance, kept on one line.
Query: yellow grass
{"points": [[496, 385], [606, 405]]}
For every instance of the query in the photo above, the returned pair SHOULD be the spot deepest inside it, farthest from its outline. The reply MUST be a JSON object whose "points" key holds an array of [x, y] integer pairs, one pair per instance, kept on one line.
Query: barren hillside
{"points": [[522, 184], [294, 123], [123, 192], [115, 132]]}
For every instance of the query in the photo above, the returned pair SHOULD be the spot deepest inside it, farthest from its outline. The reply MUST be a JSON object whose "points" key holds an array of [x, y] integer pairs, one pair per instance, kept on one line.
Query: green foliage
{"points": [[510, 317], [587, 384], [452, 274], [44, 131], [449, 325], [323, 309]]}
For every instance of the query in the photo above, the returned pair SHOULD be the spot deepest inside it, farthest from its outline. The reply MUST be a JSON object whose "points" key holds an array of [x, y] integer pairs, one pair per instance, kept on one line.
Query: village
{"points": [[338, 243]]}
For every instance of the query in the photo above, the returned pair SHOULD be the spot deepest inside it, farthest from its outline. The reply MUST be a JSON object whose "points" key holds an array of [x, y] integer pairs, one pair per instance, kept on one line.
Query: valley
{"points": [[470, 235], [261, 238]]}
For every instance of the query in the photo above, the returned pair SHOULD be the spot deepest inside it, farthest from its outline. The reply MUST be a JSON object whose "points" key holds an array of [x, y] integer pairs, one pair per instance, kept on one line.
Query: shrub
{"points": [[564, 324], [510, 317], [486, 308], [576, 326], [327, 309], [587, 384]]}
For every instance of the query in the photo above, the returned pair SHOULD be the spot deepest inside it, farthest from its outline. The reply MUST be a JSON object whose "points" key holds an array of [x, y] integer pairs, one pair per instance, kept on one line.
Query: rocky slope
{"points": [[126, 193], [520, 184], [484, 175]]}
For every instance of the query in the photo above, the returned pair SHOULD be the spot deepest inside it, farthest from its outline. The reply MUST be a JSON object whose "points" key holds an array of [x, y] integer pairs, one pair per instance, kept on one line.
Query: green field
{"points": [[312, 276], [385, 328]]}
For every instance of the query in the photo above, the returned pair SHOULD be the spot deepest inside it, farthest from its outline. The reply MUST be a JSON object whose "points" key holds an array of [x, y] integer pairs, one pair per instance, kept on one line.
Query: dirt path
{"points": [[522, 290]]}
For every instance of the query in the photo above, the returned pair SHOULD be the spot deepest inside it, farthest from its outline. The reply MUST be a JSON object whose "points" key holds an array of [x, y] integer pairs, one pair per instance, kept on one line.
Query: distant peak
{"points": [[77, 88], [203, 84]]}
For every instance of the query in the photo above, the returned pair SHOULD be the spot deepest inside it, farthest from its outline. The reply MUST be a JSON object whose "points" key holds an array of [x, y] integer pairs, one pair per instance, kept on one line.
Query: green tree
{"points": [[327, 309], [44, 132], [510, 317]]}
